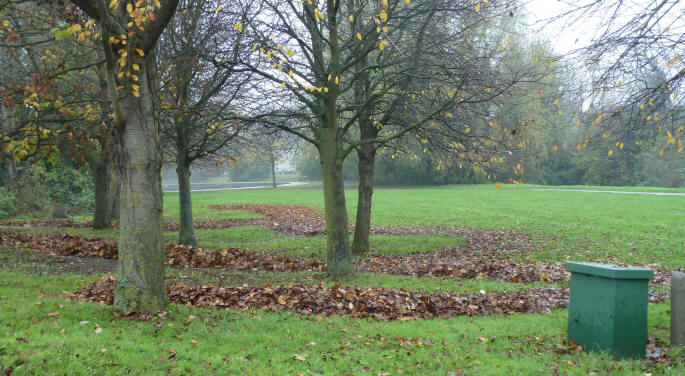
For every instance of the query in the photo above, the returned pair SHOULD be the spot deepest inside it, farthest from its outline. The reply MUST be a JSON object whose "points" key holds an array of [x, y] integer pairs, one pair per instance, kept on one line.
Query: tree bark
{"points": [[186, 231], [100, 167], [140, 283], [339, 254], [362, 228]]}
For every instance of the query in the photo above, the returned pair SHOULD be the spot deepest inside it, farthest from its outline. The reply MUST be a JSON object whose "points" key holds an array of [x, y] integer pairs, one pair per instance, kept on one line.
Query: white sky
{"points": [[563, 38]]}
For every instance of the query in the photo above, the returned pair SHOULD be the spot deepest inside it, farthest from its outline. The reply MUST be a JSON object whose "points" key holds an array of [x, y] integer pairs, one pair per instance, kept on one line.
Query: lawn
{"points": [[43, 333]]}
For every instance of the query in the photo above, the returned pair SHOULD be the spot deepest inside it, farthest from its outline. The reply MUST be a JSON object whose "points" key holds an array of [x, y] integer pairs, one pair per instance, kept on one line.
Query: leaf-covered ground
{"points": [[379, 303], [481, 257]]}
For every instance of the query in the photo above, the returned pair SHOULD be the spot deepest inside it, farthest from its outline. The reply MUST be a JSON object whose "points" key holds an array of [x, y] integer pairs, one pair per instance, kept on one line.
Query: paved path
{"points": [[598, 191], [291, 184]]}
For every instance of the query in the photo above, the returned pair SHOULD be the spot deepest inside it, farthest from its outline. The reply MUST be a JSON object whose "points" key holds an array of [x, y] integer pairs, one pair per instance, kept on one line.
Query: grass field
{"points": [[635, 229]]}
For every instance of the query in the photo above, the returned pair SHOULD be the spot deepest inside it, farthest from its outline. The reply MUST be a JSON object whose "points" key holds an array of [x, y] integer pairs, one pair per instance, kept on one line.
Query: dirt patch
{"points": [[42, 263], [52, 223]]}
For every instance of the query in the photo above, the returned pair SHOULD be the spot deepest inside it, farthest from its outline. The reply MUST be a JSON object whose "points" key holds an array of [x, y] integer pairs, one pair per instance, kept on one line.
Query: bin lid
{"points": [[610, 270]]}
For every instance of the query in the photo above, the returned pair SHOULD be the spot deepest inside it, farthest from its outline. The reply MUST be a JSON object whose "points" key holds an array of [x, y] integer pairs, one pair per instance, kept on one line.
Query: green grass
{"points": [[635, 229], [220, 342], [267, 240]]}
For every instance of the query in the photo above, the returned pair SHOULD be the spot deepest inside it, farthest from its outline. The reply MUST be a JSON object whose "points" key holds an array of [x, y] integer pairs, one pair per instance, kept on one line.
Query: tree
{"points": [[51, 104], [129, 32], [203, 88], [453, 69], [616, 68]]}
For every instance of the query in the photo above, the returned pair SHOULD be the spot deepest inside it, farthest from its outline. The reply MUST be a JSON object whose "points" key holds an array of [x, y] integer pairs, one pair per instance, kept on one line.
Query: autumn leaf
{"points": [[383, 16], [238, 26], [478, 7]]}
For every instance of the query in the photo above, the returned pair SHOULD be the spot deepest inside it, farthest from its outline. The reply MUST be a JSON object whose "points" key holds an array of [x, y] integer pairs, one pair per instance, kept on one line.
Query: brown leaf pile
{"points": [[63, 244], [379, 303], [462, 262], [241, 259], [289, 219], [178, 255]]}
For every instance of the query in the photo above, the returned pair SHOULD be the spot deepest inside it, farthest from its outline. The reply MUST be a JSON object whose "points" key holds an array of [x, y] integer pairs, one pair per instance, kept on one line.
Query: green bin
{"points": [[608, 308]]}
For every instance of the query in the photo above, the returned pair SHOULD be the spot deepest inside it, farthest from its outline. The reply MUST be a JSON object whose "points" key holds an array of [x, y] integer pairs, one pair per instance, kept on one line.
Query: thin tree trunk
{"points": [[367, 158], [273, 169], [186, 231], [339, 254], [101, 173], [6, 128], [115, 194], [140, 283]]}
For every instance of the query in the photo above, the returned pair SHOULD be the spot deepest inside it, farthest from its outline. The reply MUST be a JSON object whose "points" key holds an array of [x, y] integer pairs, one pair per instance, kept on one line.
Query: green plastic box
{"points": [[608, 308]]}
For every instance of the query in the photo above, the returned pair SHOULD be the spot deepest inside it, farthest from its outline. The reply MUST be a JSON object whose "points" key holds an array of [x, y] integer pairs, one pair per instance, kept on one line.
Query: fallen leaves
{"points": [[379, 303], [484, 256], [462, 262], [178, 255]]}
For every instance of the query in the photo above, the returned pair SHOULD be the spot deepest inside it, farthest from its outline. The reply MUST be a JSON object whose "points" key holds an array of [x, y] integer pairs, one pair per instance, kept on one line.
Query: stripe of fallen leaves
{"points": [[378, 303], [178, 255], [461, 262]]}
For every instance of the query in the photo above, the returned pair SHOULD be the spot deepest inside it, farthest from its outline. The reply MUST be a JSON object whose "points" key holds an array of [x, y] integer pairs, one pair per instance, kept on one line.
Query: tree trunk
{"points": [[273, 169], [6, 128], [101, 173], [367, 158], [362, 228], [140, 276], [115, 193], [339, 254], [186, 231]]}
